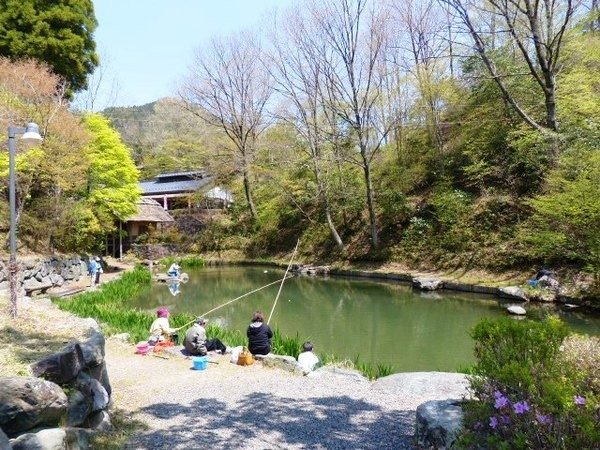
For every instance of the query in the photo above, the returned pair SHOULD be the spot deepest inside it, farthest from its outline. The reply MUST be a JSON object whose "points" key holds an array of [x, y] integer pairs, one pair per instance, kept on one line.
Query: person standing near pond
{"points": [[196, 343], [259, 335], [98, 271], [94, 270]]}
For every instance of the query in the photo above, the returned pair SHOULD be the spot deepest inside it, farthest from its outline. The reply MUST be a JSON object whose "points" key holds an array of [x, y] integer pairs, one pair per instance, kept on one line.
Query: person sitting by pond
{"points": [[160, 330], [197, 344], [174, 270], [544, 278], [259, 335], [307, 360]]}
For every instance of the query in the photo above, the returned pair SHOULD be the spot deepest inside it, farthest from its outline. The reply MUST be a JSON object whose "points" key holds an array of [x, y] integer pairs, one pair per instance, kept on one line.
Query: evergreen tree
{"points": [[58, 33]]}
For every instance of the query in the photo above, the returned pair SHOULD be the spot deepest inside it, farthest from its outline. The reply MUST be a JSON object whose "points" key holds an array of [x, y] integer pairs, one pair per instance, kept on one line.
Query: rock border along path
{"points": [[256, 407]]}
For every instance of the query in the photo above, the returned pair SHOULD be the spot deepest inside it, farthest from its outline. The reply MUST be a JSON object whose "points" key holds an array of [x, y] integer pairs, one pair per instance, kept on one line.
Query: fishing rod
{"points": [[235, 299], [282, 281]]}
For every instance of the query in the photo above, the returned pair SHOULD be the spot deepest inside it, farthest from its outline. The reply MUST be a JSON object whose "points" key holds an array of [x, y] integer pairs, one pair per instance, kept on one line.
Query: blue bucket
{"points": [[200, 362]]}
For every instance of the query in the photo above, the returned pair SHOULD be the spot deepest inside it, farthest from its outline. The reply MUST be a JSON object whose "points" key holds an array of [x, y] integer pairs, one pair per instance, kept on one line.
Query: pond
{"points": [[378, 321]]}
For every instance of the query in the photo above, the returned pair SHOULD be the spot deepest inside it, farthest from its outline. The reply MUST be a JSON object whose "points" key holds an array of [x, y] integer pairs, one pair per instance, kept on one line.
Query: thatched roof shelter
{"points": [[149, 210]]}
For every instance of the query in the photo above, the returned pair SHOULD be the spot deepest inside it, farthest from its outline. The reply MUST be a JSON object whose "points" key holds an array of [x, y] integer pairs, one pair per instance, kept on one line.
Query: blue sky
{"points": [[148, 45]]}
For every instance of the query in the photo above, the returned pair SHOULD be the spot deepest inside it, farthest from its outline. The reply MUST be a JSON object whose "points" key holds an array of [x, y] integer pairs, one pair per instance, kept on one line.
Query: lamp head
{"points": [[31, 137]]}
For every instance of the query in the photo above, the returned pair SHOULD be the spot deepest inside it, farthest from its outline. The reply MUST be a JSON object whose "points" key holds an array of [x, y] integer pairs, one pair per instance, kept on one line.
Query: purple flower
{"points": [[579, 400], [543, 419], [505, 419], [521, 407], [501, 401], [493, 422]]}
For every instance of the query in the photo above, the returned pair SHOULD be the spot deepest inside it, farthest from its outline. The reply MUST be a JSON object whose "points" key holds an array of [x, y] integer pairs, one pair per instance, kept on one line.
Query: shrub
{"points": [[528, 394], [583, 354]]}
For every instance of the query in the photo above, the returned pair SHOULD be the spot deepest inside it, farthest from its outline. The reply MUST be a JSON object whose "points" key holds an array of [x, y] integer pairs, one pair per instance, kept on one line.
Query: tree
{"points": [[352, 54], [299, 78], [57, 33], [536, 30], [101, 86], [49, 174], [112, 178], [229, 87], [423, 26]]}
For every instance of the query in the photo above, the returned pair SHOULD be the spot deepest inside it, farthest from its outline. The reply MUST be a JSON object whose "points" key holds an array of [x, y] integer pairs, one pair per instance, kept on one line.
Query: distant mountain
{"points": [[124, 118], [163, 136]]}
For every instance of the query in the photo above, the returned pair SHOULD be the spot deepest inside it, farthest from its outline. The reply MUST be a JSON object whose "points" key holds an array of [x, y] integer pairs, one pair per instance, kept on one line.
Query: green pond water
{"points": [[379, 321]]}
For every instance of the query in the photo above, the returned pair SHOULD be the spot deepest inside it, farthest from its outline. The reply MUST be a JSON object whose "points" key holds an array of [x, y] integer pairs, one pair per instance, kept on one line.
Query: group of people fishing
{"points": [[258, 332], [197, 343]]}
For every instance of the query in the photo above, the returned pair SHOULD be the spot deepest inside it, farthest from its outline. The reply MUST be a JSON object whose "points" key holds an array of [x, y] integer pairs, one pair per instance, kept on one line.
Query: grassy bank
{"points": [[109, 305]]}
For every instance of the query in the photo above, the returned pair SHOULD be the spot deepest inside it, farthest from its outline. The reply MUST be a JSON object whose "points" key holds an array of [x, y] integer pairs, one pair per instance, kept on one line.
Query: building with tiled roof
{"points": [[173, 189]]}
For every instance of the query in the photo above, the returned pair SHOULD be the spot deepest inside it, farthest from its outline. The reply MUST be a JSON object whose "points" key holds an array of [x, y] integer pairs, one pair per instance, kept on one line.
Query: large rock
{"points": [[4, 443], [438, 423], [100, 373], [516, 310], [288, 363], [100, 421], [32, 285], [349, 374], [426, 385], [512, 292], [100, 396], [78, 438], [61, 367], [427, 284], [93, 349], [80, 407], [56, 279], [48, 439], [27, 402]]}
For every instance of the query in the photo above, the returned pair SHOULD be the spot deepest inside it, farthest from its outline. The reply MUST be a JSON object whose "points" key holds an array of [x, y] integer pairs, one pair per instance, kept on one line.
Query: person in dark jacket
{"points": [[259, 335]]}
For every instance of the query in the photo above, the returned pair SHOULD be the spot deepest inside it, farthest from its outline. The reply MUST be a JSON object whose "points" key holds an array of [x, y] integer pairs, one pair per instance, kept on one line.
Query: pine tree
{"points": [[58, 33]]}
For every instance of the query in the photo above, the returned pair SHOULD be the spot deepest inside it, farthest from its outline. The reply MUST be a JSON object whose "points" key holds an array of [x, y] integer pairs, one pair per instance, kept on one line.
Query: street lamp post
{"points": [[31, 136]]}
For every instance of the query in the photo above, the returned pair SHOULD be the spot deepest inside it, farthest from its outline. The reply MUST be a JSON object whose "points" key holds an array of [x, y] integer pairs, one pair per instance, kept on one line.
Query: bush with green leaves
{"points": [[527, 395], [564, 226]]}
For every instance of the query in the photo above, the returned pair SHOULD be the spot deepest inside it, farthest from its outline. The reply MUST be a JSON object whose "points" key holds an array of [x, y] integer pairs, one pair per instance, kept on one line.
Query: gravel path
{"points": [[256, 407]]}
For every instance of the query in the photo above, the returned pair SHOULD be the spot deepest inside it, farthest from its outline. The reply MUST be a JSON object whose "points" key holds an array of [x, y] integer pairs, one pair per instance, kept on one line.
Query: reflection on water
{"points": [[379, 321]]}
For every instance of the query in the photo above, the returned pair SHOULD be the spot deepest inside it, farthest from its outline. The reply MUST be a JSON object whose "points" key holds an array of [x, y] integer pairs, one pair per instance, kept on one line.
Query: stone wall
{"points": [[38, 275], [63, 403]]}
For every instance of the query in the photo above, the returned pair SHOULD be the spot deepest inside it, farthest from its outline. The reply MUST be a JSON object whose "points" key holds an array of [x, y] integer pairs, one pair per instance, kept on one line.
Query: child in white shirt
{"points": [[307, 360]]}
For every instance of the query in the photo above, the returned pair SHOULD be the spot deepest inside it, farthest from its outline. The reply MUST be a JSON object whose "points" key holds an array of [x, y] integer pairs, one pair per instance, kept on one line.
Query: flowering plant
{"points": [[527, 396]]}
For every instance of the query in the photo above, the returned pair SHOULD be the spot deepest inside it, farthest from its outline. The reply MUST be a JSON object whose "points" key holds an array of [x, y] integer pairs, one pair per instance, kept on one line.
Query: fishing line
{"points": [[235, 299], [282, 281]]}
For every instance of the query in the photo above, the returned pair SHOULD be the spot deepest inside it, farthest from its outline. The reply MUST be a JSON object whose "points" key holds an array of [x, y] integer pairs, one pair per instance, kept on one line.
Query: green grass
{"points": [[109, 306], [185, 261], [124, 427]]}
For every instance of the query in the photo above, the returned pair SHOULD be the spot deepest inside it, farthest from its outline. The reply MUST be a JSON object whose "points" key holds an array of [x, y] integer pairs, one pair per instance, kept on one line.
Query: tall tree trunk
{"points": [[371, 203], [325, 204], [248, 191]]}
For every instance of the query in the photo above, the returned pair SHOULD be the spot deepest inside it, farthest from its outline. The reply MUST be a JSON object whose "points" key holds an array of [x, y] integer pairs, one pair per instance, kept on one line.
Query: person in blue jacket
{"points": [[94, 271], [259, 335]]}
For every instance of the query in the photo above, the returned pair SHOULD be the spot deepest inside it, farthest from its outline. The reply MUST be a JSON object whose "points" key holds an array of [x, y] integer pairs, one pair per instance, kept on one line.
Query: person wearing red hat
{"points": [[160, 330]]}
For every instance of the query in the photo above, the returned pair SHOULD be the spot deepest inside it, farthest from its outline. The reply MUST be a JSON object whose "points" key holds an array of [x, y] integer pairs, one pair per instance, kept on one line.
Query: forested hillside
{"points": [[415, 132]]}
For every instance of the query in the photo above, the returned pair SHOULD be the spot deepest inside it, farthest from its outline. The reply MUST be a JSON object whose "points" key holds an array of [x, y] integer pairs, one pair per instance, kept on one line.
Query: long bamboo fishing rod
{"points": [[283, 280], [235, 299]]}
